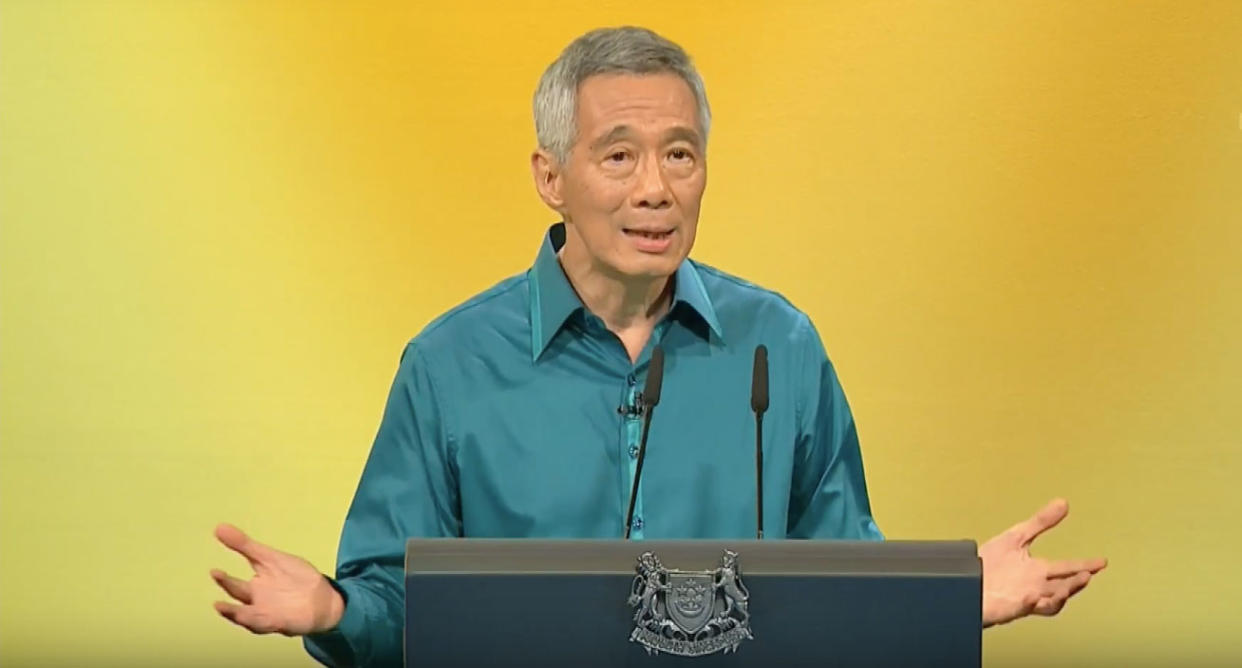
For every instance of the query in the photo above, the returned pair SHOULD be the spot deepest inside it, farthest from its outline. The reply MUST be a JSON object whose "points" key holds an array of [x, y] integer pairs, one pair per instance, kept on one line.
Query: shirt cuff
{"points": [[341, 646]]}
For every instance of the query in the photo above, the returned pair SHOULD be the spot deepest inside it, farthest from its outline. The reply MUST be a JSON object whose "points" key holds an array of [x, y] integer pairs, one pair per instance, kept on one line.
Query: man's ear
{"points": [[548, 179]]}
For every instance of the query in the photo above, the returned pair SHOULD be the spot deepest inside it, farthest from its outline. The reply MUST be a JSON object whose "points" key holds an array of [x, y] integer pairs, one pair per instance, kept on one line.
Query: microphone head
{"points": [[655, 377], [759, 384]]}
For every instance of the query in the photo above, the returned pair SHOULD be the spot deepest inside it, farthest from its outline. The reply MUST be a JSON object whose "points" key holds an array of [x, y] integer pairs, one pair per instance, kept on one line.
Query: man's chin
{"points": [[651, 268]]}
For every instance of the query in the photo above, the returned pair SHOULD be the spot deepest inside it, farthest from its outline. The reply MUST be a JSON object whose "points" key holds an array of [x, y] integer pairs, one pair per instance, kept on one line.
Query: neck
{"points": [[625, 303]]}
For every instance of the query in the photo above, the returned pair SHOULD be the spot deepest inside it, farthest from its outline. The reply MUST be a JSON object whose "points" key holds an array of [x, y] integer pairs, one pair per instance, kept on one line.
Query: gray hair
{"points": [[625, 50]]}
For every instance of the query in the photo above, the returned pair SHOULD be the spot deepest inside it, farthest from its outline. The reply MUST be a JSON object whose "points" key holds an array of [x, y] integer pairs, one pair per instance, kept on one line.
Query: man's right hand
{"points": [[287, 594]]}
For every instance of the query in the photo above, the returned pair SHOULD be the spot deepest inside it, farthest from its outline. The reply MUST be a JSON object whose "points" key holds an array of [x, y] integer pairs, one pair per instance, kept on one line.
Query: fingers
{"points": [[237, 540], [1048, 607], [1063, 587], [236, 587], [1060, 569], [1047, 517], [229, 611], [1060, 591], [243, 616]]}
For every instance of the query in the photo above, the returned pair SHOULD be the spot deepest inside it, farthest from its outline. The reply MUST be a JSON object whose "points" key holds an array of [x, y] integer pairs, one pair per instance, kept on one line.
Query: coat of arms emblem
{"points": [[689, 613]]}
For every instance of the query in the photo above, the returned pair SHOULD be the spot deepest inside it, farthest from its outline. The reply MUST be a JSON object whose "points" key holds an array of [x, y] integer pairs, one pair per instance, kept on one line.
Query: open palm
{"points": [[1016, 584], [287, 594]]}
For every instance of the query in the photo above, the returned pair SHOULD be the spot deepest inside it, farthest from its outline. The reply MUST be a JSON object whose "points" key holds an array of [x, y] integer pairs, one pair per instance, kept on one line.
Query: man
{"points": [[515, 414]]}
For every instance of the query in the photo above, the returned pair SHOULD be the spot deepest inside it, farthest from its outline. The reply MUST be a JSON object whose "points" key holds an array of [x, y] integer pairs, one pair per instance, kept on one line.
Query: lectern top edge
{"points": [[773, 557]]}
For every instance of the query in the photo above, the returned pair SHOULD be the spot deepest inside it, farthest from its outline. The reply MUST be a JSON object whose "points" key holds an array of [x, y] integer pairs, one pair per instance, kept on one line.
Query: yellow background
{"points": [[1018, 226]]}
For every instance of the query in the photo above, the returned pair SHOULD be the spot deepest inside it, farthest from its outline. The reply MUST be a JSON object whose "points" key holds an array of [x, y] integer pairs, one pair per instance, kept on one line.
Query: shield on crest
{"points": [[690, 599]]}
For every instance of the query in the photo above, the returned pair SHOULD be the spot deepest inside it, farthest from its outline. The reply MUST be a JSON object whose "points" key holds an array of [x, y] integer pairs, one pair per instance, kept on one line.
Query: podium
{"points": [[697, 604]]}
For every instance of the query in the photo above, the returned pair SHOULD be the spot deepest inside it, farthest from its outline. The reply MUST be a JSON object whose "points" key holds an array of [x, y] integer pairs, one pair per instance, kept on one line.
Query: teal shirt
{"points": [[503, 421]]}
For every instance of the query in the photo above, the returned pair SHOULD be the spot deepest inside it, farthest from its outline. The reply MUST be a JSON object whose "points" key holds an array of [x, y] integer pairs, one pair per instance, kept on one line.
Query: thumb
{"points": [[237, 540], [1047, 517]]}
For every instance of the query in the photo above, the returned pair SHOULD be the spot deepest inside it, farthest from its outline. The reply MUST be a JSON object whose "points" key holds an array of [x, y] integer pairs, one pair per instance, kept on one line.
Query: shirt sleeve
{"points": [[829, 491], [408, 489]]}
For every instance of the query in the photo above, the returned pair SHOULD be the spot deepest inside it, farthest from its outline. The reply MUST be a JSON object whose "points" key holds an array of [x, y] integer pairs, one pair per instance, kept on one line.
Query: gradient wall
{"points": [[1017, 225]]}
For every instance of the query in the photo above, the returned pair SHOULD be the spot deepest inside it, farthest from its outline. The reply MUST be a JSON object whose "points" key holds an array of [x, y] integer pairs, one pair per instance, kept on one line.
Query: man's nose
{"points": [[652, 191]]}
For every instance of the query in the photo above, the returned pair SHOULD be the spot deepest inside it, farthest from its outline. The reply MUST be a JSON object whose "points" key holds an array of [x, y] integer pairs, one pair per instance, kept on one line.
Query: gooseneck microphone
{"points": [[650, 397], [759, 404]]}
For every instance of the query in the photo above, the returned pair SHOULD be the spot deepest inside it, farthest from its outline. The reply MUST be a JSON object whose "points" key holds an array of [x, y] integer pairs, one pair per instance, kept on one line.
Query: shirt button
{"points": [[631, 380], [638, 524], [633, 451]]}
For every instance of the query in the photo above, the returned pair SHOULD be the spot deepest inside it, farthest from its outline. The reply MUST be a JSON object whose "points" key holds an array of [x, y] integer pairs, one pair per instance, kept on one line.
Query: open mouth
{"points": [[649, 234]]}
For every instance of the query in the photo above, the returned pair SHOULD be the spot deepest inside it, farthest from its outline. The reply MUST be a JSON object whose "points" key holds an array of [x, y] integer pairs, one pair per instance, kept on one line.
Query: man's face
{"points": [[633, 181]]}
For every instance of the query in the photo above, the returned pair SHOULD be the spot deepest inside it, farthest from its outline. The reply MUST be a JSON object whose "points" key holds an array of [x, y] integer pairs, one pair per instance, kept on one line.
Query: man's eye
{"points": [[680, 154], [619, 156]]}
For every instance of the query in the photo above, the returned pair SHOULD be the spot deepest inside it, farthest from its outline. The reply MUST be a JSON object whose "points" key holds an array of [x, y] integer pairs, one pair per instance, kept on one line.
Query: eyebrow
{"points": [[683, 133], [616, 133], [679, 133]]}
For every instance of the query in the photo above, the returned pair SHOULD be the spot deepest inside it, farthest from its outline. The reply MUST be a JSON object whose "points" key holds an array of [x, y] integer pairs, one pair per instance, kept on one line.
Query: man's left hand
{"points": [[1015, 584]]}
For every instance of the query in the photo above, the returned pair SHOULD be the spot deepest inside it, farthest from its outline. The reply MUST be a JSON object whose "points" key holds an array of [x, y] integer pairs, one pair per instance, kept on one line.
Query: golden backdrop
{"points": [[1018, 227]]}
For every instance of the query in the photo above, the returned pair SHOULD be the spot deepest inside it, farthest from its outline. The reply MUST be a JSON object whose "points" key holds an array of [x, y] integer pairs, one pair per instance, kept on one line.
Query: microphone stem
{"points": [[759, 475], [638, 470]]}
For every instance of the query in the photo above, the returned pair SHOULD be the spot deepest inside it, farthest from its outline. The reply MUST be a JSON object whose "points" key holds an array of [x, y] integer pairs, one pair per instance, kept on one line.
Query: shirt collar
{"points": [[553, 300]]}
